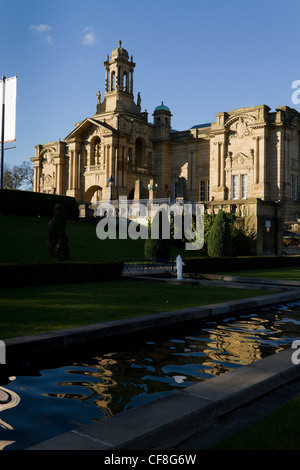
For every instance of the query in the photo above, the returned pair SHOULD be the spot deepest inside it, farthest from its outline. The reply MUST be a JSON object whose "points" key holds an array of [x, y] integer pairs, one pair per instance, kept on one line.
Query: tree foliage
{"points": [[161, 247], [58, 243], [18, 176], [220, 239]]}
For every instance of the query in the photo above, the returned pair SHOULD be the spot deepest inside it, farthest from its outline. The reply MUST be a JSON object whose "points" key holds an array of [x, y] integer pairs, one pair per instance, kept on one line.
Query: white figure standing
{"points": [[179, 264]]}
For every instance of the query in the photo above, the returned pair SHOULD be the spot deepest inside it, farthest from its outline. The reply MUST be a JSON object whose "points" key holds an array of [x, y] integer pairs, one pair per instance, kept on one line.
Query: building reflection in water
{"points": [[119, 380], [13, 399]]}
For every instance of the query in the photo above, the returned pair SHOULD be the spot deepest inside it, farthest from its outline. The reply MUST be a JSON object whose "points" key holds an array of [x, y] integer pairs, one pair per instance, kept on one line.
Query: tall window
{"points": [[244, 187], [235, 189], [295, 188], [139, 153], [202, 190], [175, 190], [125, 81], [113, 81]]}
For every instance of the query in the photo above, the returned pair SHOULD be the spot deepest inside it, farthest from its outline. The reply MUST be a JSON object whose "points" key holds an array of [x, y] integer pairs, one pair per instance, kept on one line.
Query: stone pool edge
{"points": [[25, 347], [168, 421]]}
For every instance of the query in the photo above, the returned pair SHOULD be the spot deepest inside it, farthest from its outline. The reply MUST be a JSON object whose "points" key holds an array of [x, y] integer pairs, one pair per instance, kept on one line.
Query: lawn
{"points": [[24, 239], [45, 308], [288, 274], [276, 431]]}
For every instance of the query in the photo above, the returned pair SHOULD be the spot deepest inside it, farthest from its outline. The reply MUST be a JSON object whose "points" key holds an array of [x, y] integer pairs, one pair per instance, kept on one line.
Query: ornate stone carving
{"points": [[228, 160], [241, 160], [241, 129], [239, 126]]}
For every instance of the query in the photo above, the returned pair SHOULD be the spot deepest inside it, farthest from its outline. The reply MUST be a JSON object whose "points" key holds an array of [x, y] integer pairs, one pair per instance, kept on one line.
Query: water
{"points": [[52, 400]]}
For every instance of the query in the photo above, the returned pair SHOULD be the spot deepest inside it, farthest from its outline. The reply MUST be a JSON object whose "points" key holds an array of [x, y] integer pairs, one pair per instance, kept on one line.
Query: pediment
{"points": [[86, 126], [241, 160]]}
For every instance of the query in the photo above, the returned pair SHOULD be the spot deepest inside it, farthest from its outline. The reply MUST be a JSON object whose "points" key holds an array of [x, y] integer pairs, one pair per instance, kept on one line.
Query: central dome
{"points": [[119, 52], [162, 107]]}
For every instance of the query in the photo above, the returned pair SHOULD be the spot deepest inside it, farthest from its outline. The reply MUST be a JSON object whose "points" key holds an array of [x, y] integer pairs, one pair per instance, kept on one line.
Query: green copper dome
{"points": [[162, 107]]}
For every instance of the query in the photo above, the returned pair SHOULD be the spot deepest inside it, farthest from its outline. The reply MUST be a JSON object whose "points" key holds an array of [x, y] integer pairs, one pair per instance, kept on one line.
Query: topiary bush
{"points": [[58, 243], [159, 248], [220, 240]]}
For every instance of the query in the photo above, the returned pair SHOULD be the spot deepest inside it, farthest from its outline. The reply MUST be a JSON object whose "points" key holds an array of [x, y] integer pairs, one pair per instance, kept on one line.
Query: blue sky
{"points": [[199, 57]]}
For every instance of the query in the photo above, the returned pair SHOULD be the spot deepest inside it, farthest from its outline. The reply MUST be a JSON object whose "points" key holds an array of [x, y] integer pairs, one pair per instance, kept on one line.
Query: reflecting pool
{"points": [[52, 400]]}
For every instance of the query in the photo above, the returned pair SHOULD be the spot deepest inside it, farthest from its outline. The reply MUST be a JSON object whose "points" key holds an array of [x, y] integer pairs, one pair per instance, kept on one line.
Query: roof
{"points": [[119, 52], [199, 126], [162, 107]]}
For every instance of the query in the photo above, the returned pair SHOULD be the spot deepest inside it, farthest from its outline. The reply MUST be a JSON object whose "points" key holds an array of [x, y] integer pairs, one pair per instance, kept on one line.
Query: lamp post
{"points": [[151, 188], [111, 182], [2, 132]]}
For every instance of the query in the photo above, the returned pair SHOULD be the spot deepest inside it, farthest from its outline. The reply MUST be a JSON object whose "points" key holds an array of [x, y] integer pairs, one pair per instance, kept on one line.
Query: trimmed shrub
{"points": [[220, 240], [17, 202], [241, 263], [159, 248], [37, 274], [58, 243]]}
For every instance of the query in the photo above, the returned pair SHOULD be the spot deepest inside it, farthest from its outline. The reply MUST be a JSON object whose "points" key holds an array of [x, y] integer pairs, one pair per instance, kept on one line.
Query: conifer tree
{"points": [[159, 248], [58, 243], [220, 240]]}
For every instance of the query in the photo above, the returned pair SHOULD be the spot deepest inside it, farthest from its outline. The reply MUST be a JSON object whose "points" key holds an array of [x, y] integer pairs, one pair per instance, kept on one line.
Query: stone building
{"points": [[245, 161]]}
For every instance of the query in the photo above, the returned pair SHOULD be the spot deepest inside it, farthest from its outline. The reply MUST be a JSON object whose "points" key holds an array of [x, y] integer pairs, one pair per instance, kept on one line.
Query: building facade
{"points": [[247, 160]]}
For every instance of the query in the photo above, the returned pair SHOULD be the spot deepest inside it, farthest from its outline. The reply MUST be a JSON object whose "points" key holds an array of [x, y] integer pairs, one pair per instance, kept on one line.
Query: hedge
{"points": [[239, 263], [22, 275], [17, 202]]}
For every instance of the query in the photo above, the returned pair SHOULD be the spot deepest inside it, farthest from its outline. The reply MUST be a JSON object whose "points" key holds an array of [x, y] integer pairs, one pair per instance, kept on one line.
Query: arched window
{"points": [[139, 153], [113, 80], [95, 151], [125, 81]]}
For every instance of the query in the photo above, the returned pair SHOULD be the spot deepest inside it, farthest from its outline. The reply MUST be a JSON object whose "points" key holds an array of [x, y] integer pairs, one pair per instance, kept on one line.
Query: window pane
{"points": [[244, 186], [202, 190], [234, 186]]}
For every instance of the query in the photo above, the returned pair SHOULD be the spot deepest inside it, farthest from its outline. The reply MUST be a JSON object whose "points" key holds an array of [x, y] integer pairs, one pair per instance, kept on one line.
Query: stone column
{"points": [[287, 163], [37, 176], [74, 169], [109, 164], [131, 81], [71, 169], [106, 80], [222, 157], [78, 161], [262, 164], [257, 161], [219, 164], [88, 157]]}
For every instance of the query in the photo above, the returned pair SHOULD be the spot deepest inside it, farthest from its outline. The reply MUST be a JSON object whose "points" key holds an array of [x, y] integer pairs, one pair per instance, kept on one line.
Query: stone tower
{"points": [[118, 95]]}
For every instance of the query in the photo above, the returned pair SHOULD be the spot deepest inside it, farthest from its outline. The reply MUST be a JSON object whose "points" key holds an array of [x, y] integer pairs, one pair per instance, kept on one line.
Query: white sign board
{"points": [[10, 101]]}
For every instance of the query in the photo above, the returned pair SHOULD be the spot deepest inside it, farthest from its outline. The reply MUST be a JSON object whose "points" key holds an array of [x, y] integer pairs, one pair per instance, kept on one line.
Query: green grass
{"points": [[45, 308], [24, 239], [277, 431], [292, 273]]}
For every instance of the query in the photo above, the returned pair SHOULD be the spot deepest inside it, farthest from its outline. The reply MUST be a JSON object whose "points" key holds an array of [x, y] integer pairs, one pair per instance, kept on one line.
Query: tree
{"points": [[158, 248], [58, 244], [18, 176], [220, 240]]}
